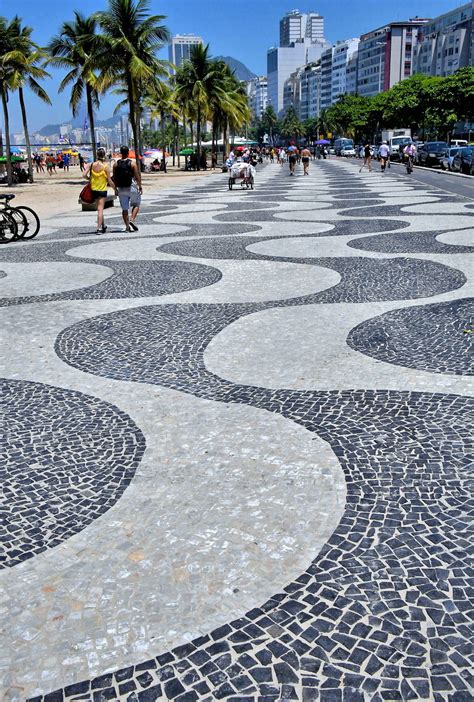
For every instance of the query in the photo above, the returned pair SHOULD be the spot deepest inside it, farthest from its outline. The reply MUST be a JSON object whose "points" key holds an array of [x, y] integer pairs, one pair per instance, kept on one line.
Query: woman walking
{"points": [[367, 158], [98, 173]]}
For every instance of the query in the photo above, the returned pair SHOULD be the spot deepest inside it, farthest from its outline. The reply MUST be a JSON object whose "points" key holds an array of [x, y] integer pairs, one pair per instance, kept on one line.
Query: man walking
{"points": [[305, 156], [125, 171], [384, 154]]}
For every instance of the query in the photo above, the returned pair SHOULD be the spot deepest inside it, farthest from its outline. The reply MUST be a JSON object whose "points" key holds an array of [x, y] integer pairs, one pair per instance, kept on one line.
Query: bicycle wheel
{"points": [[30, 222], [8, 228]]}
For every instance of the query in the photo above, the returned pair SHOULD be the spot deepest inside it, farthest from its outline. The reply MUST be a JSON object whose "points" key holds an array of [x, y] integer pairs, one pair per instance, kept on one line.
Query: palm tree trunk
{"points": [[133, 117], [185, 130], [224, 141], [27, 134], [90, 112], [6, 120], [191, 129], [198, 138]]}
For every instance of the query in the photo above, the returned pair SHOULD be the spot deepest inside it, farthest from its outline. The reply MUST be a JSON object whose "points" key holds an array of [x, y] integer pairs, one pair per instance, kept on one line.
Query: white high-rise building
{"points": [[257, 92], [282, 61], [343, 55], [296, 25], [301, 42], [180, 48]]}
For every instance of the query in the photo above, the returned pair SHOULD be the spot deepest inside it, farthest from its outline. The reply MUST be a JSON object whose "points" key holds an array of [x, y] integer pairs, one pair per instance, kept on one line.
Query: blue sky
{"points": [[240, 28]]}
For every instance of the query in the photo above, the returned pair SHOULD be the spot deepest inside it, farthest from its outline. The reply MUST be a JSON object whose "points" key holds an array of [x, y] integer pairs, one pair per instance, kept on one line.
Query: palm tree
{"points": [[161, 100], [26, 63], [197, 77], [269, 121], [7, 32], [227, 101], [78, 48], [134, 37]]}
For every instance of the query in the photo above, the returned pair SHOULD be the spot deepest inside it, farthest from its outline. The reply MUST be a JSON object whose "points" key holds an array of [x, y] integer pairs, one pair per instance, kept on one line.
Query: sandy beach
{"points": [[58, 194]]}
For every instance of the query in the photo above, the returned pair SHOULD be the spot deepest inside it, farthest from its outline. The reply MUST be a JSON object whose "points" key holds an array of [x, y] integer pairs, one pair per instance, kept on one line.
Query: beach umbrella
{"points": [[292, 148], [186, 152], [322, 142], [14, 159]]}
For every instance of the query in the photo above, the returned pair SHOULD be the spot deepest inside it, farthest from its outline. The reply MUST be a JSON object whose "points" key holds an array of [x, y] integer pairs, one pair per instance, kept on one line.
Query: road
{"points": [[435, 178]]}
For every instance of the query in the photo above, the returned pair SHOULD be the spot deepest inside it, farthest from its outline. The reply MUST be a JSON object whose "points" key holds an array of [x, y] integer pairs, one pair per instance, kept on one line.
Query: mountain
{"points": [[241, 71], [77, 123]]}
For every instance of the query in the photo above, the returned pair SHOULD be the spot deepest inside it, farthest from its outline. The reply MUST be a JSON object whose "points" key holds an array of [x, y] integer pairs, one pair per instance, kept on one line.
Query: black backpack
{"points": [[123, 173]]}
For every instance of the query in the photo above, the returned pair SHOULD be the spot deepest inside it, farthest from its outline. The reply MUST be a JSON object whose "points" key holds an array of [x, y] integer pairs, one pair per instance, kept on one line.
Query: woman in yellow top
{"points": [[98, 173]]}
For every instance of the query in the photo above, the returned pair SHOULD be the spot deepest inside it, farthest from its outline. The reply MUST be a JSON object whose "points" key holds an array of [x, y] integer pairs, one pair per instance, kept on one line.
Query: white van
{"points": [[458, 142]]}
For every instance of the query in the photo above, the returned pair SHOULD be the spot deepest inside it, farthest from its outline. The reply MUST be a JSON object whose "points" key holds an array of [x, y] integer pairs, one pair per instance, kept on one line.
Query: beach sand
{"points": [[58, 194]]}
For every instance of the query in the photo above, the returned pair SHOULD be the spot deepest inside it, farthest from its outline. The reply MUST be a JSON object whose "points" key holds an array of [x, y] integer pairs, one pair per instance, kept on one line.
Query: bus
{"points": [[341, 145]]}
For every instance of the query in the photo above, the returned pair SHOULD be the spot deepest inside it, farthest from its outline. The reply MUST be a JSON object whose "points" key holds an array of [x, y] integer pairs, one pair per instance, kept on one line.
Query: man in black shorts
{"points": [[305, 156]]}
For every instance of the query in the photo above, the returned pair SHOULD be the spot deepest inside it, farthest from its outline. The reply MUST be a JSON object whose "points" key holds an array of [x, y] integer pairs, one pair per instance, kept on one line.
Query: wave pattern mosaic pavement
{"points": [[66, 458], [383, 611], [437, 338]]}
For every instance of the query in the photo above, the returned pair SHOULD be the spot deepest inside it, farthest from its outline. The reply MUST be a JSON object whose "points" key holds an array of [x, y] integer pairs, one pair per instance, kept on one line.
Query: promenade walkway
{"points": [[237, 447]]}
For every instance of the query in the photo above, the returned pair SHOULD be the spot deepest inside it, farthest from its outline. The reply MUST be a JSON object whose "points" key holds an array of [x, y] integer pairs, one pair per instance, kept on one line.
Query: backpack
{"points": [[123, 173]]}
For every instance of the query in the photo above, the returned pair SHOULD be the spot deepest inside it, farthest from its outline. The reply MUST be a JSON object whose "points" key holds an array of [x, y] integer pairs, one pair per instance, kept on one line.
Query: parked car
{"points": [[431, 153], [347, 151], [449, 154], [463, 162]]}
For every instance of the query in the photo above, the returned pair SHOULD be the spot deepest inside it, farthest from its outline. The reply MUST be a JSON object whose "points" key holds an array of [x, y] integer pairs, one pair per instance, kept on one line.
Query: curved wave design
{"points": [[63, 468], [381, 612], [436, 338]]}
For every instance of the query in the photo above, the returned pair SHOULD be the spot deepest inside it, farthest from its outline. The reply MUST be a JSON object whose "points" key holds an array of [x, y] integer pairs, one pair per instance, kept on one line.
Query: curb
{"points": [[438, 172]]}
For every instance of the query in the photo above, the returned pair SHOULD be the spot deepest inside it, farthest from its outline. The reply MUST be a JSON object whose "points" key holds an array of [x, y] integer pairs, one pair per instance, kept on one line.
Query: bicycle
{"points": [[27, 221], [8, 227], [409, 163]]}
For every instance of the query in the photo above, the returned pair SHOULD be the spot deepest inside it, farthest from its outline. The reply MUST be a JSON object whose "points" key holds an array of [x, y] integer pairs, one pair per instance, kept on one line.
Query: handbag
{"points": [[86, 194]]}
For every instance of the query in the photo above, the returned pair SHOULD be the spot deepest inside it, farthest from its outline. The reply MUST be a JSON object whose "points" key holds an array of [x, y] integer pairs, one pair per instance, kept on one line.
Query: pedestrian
{"points": [[305, 156], [292, 158], [213, 160], [367, 158], [81, 162], [49, 164], [66, 161], [125, 170], [384, 152], [135, 202], [98, 173]]}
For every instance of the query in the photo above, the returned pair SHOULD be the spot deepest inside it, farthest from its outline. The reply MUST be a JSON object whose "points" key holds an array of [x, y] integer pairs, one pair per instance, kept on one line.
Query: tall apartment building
{"points": [[257, 92], [301, 42], [386, 55], [292, 91], [180, 47], [326, 78], [344, 61], [296, 25], [310, 91], [282, 61], [445, 43]]}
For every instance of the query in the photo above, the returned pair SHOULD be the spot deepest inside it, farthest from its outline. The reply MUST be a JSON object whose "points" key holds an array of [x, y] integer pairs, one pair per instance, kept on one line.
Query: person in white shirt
{"points": [[384, 153]]}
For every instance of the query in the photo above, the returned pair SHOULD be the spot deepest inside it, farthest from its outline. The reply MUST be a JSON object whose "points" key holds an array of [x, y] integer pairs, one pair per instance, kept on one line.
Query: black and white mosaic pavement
{"points": [[438, 338], [66, 459], [408, 242], [384, 610]]}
